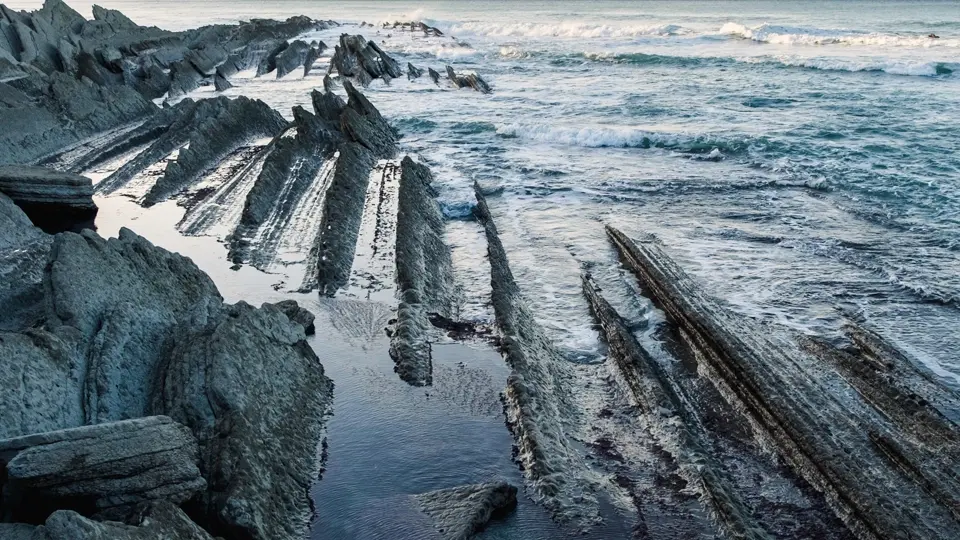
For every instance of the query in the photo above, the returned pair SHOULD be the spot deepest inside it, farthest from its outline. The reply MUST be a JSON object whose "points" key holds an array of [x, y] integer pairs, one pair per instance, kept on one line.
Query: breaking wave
{"points": [[565, 30], [892, 67], [800, 35]]}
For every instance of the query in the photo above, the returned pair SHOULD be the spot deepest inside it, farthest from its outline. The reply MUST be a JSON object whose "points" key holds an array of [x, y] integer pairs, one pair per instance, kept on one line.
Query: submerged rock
{"points": [[461, 512], [55, 201], [99, 467]]}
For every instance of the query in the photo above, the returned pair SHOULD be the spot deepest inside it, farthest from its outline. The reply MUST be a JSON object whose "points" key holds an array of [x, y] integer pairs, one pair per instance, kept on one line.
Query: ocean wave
{"points": [[710, 146], [800, 35], [443, 51], [890, 66], [565, 30]]}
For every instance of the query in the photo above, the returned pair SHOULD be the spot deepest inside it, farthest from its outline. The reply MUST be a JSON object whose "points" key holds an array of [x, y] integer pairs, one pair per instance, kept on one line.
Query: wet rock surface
{"points": [[461, 512], [470, 80]]}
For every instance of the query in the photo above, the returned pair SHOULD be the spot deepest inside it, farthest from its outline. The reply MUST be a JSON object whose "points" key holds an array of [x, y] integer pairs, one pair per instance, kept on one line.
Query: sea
{"points": [[799, 159]]}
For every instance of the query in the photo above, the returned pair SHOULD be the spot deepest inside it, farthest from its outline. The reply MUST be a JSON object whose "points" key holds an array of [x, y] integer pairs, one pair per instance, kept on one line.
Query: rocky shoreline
{"points": [[138, 403]]}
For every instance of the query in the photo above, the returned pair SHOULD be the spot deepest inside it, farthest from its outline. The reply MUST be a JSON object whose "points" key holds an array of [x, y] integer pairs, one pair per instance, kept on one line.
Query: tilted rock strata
{"points": [[55, 201], [424, 273], [782, 389], [103, 466], [538, 405]]}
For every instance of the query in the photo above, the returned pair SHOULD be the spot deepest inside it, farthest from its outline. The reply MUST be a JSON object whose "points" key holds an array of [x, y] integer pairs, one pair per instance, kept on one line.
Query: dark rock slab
{"points": [[292, 58], [424, 273], [413, 72], [297, 314], [159, 520], [55, 201], [220, 83], [461, 512], [470, 80], [92, 468], [434, 76], [312, 56], [365, 60]]}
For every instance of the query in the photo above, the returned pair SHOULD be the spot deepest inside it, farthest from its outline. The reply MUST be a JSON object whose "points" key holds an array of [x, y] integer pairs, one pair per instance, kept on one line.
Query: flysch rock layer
{"points": [[55, 201], [470, 80], [540, 410], [459, 513], [129, 330], [881, 478], [363, 60], [424, 273], [367, 138], [99, 467], [66, 78]]}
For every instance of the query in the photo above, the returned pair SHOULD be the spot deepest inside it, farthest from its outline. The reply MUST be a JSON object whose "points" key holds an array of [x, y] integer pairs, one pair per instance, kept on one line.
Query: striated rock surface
{"points": [[413, 72], [292, 58], [434, 76], [255, 395], [538, 405], [882, 477], [424, 273], [356, 57], [55, 201], [99, 467], [299, 315], [461, 512]]}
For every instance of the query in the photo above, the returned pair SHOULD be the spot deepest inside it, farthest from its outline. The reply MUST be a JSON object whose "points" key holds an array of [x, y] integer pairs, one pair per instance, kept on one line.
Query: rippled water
{"points": [[800, 159]]}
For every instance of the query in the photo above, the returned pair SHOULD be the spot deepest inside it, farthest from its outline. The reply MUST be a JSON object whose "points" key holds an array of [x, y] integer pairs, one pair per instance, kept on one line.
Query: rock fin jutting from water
{"points": [[461, 512]]}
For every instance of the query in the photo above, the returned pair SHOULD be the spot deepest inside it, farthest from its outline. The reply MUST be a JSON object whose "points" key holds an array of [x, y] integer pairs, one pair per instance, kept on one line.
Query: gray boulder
{"points": [[55, 201], [255, 395], [461, 512], [146, 522], [297, 314], [99, 467]]}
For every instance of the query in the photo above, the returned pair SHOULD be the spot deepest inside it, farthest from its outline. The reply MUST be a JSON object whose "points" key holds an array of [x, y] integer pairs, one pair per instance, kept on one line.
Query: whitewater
{"points": [[800, 160]]}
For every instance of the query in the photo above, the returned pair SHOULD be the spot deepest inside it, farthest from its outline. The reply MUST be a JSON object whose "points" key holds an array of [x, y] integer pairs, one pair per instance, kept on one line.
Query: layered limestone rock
{"points": [[213, 128], [55, 201], [424, 273], [93, 468], [883, 477], [81, 77], [538, 404], [459, 513], [368, 138], [364, 60]]}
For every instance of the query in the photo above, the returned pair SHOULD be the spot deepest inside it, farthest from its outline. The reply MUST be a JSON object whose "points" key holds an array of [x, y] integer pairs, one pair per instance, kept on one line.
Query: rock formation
{"points": [[99, 467], [362, 59], [461, 512], [434, 76], [424, 273], [470, 80], [413, 72], [129, 330], [55, 201]]}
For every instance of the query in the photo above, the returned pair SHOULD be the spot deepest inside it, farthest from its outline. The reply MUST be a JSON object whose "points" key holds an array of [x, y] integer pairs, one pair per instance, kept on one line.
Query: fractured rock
{"points": [[101, 466], [145, 522], [459, 513], [297, 314], [291, 58], [55, 201], [434, 76], [413, 72], [312, 56]]}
